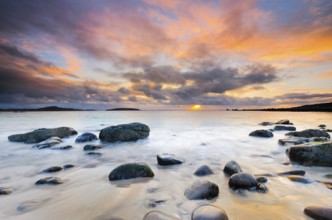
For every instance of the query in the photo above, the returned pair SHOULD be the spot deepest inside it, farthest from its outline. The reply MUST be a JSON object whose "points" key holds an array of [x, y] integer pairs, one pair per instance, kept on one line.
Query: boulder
{"points": [[309, 133], [52, 169], [42, 134], [157, 215], [203, 171], [284, 128], [284, 122], [294, 140], [292, 172], [261, 133], [85, 137], [266, 123], [48, 143], [124, 132], [49, 181], [322, 126], [311, 155], [245, 181], [209, 212], [299, 179], [168, 159], [131, 171], [261, 179], [319, 212], [90, 147], [232, 167], [202, 190], [68, 166], [5, 190]]}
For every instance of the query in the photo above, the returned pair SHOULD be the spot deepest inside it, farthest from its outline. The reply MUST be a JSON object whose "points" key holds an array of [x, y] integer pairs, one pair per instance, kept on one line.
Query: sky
{"points": [[165, 54]]}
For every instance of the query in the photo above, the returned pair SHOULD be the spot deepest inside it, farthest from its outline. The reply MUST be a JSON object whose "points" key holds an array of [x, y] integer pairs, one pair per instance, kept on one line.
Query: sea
{"points": [[199, 137]]}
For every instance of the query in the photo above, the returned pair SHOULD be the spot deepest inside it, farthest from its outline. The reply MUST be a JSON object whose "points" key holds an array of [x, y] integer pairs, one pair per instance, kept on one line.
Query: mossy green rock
{"points": [[131, 171], [125, 132]]}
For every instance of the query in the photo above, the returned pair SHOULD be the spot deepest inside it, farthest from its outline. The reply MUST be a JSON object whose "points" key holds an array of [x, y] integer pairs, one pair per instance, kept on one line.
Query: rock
{"points": [[245, 181], [328, 130], [90, 147], [326, 184], [293, 172], [49, 181], [124, 132], [66, 147], [5, 190], [85, 137], [203, 171], [311, 155], [284, 122], [157, 215], [329, 176], [322, 126], [266, 123], [202, 190], [232, 167], [130, 171], [319, 212], [309, 133], [319, 139], [284, 128], [261, 133], [48, 143], [209, 212], [261, 179], [52, 169], [155, 203], [168, 159], [299, 179], [94, 154], [68, 166], [42, 134], [294, 140]]}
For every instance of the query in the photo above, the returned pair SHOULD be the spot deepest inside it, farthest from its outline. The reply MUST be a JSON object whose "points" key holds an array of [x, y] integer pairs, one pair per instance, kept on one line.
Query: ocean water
{"points": [[201, 138]]}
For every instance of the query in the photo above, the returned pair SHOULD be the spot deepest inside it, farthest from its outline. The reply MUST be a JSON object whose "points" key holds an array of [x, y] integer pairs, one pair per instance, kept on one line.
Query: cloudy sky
{"points": [[165, 54]]}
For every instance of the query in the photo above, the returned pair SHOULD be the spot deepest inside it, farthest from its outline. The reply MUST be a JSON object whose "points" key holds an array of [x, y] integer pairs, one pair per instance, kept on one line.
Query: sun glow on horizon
{"points": [[195, 108]]}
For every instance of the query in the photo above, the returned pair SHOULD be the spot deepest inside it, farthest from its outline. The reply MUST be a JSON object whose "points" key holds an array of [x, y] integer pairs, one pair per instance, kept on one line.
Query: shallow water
{"points": [[201, 138]]}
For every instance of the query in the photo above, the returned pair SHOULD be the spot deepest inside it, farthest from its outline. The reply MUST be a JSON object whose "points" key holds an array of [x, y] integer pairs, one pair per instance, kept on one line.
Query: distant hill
{"points": [[123, 109], [321, 107], [49, 108]]}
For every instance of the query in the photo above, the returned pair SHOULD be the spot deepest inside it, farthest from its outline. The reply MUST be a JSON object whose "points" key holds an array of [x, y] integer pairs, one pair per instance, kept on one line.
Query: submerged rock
{"points": [[261, 179], [202, 190], [209, 212], [284, 122], [42, 134], [294, 140], [299, 179], [85, 137], [90, 147], [6, 190], [322, 126], [131, 171], [309, 133], [66, 147], [94, 154], [48, 143], [232, 167], [124, 132], [157, 215], [261, 133], [168, 159], [311, 155], [319, 212], [52, 169], [203, 171], [284, 128], [155, 203], [292, 172], [49, 181], [245, 181], [68, 166], [266, 123]]}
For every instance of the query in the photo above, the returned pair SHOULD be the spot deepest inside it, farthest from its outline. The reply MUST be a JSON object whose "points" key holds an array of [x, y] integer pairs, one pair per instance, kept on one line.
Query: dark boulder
{"points": [[294, 140], [261, 133], [49, 181], [168, 159], [266, 123], [309, 133], [209, 212], [124, 132], [48, 143], [284, 122], [202, 190], [85, 137], [42, 134], [261, 179], [245, 181], [299, 179], [68, 166], [52, 169], [203, 171], [90, 147], [94, 154], [292, 172], [311, 155], [131, 171], [65, 147], [322, 126], [319, 212], [232, 167], [284, 128], [5, 190]]}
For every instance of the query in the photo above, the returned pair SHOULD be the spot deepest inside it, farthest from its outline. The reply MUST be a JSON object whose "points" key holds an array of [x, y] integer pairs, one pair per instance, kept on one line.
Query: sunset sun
{"points": [[195, 108]]}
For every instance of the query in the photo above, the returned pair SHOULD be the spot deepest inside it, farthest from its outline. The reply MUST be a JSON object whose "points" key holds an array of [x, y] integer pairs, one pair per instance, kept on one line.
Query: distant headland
{"points": [[59, 109], [321, 107], [123, 109]]}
